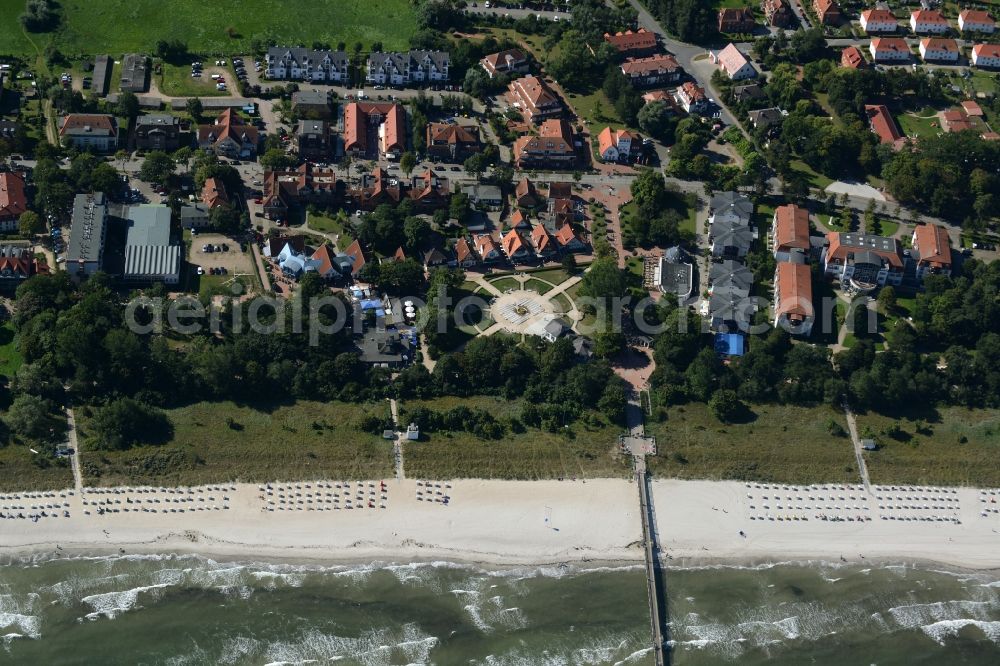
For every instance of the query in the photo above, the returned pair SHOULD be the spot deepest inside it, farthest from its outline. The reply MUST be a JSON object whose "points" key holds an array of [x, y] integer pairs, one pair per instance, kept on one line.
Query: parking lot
{"points": [[233, 260]]}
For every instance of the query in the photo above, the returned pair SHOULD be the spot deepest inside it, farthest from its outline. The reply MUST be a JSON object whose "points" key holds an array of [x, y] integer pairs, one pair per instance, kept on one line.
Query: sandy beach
{"points": [[519, 523]]}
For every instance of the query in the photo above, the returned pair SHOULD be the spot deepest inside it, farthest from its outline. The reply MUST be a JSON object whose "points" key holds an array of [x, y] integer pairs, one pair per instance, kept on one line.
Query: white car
{"points": [[201, 271]]}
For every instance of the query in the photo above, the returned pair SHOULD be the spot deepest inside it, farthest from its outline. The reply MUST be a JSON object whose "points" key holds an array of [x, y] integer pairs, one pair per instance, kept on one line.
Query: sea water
{"points": [[194, 610]]}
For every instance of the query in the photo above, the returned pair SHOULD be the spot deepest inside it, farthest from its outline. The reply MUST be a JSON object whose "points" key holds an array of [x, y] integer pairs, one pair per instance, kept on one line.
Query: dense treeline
{"points": [[75, 343], [689, 20]]}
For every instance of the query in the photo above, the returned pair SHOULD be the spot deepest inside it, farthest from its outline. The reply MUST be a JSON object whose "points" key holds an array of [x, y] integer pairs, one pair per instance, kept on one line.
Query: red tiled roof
{"points": [[882, 123], [541, 239], [213, 193], [322, 255], [485, 245], [795, 290], [933, 245], [650, 65], [986, 50], [878, 16], [890, 44], [641, 39], [838, 251], [95, 121], [791, 228], [972, 108], [228, 125], [976, 16], [512, 242], [463, 250], [928, 16], [13, 200], [357, 255], [565, 235], [851, 57]]}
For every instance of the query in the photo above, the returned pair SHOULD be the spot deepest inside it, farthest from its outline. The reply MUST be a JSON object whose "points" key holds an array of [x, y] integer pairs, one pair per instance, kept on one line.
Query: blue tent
{"points": [[729, 344], [371, 304]]}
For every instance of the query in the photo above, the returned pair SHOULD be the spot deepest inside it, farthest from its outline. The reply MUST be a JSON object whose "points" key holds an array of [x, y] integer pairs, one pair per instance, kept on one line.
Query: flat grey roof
{"points": [[149, 224], [86, 235], [103, 65]]}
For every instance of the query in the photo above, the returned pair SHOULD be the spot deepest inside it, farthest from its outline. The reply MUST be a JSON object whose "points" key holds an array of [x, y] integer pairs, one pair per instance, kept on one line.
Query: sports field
{"points": [[119, 26]]}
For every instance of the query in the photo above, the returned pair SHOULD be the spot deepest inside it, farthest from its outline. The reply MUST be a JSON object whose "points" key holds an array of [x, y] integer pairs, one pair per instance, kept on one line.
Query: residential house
{"points": [[764, 119], [429, 192], [733, 63], [568, 240], [88, 228], [13, 200], [729, 307], [931, 250], [793, 298], [863, 259], [452, 142], [505, 62], [434, 256], [656, 70], [465, 255], [748, 94], [357, 257], [366, 120], [385, 348], [639, 43], [487, 249], [535, 99], [149, 254], [400, 69], [828, 12], [229, 136], [730, 206], [971, 20], [515, 246], [878, 20], [890, 49], [488, 197], [195, 216], [525, 195], [882, 123], [9, 128], [619, 145], [928, 22], [852, 58], [544, 244], [518, 220], [213, 193], [986, 55], [17, 264], [135, 73], [324, 262], [691, 97], [939, 49], [315, 140], [90, 131], [286, 189], [733, 20], [300, 64], [312, 104], [730, 239], [159, 131], [552, 147], [790, 232], [777, 13]]}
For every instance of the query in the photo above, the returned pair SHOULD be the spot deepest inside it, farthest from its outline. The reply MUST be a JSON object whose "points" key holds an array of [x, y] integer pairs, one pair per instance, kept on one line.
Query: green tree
{"points": [[657, 120], [194, 109], [407, 162], [124, 423], [277, 159], [128, 105], [726, 405], [157, 167], [29, 223], [887, 299], [32, 418]]}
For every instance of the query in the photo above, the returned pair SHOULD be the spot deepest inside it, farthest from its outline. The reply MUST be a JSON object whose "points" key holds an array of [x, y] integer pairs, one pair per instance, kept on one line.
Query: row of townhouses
{"points": [[300, 64]]}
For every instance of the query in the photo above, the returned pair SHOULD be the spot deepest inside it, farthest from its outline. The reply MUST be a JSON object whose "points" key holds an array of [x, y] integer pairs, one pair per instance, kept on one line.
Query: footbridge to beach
{"points": [[638, 445]]}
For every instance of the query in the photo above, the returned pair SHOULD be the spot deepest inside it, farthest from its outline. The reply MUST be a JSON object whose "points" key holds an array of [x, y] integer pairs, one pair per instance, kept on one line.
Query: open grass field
{"points": [[303, 440], [783, 444], [505, 283], [10, 358], [538, 286], [924, 125], [177, 82], [948, 446], [582, 452], [19, 471], [553, 275], [120, 26]]}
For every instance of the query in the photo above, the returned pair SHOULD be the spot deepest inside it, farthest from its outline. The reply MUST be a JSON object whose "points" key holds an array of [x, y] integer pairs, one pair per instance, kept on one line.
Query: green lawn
{"points": [[952, 446], [22, 470], [782, 444], [554, 275], [303, 440], [561, 302], [918, 126], [177, 82], [505, 283], [577, 451], [817, 180], [10, 358], [120, 26], [538, 286]]}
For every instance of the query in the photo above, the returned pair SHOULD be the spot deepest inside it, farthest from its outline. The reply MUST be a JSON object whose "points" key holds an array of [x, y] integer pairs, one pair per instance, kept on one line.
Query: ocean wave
{"points": [[939, 631], [112, 604], [914, 616], [25, 625], [376, 648]]}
